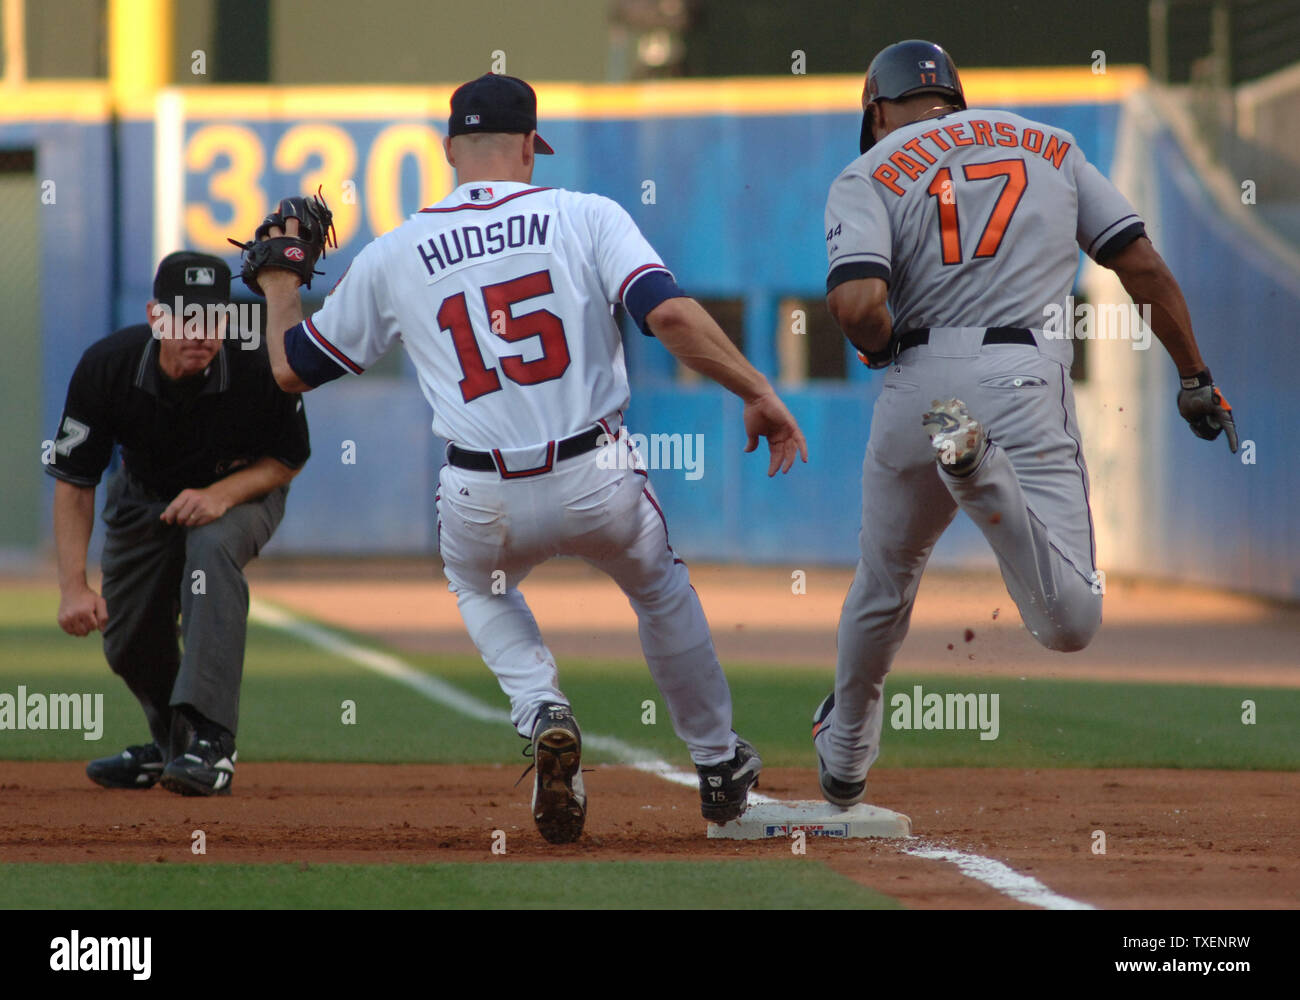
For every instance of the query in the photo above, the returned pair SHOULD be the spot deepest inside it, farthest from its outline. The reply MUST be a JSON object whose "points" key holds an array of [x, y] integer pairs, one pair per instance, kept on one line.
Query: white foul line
{"points": [[438, 690], [1007, 881], [994, 874]]}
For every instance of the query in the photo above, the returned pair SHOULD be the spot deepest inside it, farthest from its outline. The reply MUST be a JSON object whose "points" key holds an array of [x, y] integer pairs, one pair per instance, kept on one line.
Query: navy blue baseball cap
{"points": [[192, 277], [496, 103]]}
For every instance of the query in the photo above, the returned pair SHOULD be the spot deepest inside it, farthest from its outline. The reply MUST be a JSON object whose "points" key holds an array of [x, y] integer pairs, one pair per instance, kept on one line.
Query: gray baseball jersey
{"points": [[973, 219], [981, 188]]}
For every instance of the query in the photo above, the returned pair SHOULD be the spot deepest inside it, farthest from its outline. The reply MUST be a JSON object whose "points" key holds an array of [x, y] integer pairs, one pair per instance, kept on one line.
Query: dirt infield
{"points": [[1179, 839], [1176, 838]]}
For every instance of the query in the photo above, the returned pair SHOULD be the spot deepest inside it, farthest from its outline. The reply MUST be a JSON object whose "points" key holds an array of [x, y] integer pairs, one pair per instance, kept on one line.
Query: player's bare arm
{"points": [[691, 336], [194, 508], [1147, 278], [81, 610], [283, 310], [859, 309]]}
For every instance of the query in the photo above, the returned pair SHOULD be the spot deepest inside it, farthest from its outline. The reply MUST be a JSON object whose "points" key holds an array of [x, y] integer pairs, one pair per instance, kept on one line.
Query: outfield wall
{"points": [[739, 170]]}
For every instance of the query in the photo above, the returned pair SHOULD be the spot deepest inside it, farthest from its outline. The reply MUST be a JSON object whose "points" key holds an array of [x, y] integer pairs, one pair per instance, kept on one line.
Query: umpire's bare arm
{"points": [[81, 609], [194, 508]]}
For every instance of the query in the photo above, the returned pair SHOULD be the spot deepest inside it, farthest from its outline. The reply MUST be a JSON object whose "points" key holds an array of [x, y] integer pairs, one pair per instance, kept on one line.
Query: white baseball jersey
{"points": [[973, 218], [502, 294]]}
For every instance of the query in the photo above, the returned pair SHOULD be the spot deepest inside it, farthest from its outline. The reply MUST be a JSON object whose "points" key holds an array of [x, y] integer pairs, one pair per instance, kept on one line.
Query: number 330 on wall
{"points": [[234, 159]]}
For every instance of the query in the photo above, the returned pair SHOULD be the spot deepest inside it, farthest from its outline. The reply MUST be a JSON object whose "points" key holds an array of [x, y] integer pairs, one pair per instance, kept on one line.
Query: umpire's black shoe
{"points": [[559, 799], [135, 767], [206, 768], [838, 793], [724, 788]]}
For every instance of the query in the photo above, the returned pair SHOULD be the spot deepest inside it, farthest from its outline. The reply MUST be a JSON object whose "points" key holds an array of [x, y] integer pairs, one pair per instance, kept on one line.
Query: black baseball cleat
{"points": [[724, 788], [206, 768], [838, 793], [135, 767], [559, 800]]}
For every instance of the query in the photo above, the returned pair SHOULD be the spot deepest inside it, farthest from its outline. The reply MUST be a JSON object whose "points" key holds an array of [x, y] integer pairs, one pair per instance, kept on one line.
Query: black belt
{"points": [[556, 451], [993, 335]]}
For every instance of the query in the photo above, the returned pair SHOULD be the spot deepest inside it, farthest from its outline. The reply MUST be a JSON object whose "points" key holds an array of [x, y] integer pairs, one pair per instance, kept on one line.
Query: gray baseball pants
{"points": [[1029, 497], [155, 572]]}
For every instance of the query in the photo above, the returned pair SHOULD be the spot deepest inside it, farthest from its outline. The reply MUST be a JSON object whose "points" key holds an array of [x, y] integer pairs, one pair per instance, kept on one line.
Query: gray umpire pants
{"points": [[1028, 496], [155, 572]]}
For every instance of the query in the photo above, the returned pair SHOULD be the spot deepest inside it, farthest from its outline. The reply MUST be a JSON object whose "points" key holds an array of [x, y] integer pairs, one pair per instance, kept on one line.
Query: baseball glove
{"points": [[1202, 405], [298, 254]]}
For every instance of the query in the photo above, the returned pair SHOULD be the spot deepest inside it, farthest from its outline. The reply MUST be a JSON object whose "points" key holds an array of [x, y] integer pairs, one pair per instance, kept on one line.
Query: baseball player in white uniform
{"points": [[965, 225], [503, 294]]}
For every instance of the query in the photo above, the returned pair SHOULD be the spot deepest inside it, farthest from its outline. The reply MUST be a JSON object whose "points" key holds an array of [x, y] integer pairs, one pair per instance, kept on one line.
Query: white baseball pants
{"points": [[493, 531]]}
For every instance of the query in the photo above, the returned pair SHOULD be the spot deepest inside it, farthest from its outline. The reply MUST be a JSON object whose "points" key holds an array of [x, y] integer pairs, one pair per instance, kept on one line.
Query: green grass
{"points": [[796, 883], [293, 695]]}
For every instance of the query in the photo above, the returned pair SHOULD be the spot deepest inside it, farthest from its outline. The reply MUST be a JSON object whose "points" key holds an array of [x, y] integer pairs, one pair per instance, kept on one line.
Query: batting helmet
{"points": [[904, 68]]}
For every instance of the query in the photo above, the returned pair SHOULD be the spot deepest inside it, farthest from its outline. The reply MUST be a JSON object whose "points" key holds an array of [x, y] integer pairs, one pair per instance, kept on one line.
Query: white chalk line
{"points": [[438, 690], [1006, 880], [996, 875]]}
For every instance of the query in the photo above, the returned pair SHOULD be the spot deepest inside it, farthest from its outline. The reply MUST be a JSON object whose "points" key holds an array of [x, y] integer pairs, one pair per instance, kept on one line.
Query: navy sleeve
{"points": [[1114, 244], [309, 362], [646, 292]]}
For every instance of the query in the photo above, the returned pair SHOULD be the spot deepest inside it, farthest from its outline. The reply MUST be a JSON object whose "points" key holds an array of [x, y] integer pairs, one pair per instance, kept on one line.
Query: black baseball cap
{"points": [[194, 277], [495, 103]]}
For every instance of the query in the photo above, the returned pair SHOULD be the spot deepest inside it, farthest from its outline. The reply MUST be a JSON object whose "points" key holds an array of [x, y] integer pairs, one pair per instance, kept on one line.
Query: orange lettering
{"points": [[887, 176], [953, 130], [908, 165], [1038, 140], [1055, 151], [1007, 131], [934, 136], [983, 132], [915, 146]]}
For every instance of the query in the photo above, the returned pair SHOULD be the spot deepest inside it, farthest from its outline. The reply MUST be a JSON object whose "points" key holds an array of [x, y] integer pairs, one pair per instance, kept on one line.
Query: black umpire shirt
{"points": [[175, 434]]}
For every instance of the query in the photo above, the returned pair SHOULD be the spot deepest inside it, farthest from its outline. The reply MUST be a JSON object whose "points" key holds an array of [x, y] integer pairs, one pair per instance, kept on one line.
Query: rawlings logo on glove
{"points": [[298, 254]]}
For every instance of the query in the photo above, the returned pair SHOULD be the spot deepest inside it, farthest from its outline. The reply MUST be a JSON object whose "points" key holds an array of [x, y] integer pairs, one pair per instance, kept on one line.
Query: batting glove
{"points": [[877, 359], [1202, 405]]}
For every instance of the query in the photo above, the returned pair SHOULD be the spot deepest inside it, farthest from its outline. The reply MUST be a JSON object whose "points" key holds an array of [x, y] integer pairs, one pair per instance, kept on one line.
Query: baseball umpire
{"points": [[502, 295], [965, 225], [208, 444]]}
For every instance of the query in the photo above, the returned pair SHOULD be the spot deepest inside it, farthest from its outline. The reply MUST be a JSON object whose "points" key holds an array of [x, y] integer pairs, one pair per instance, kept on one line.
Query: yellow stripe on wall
{"points": [[569, 101], [56, 100]]}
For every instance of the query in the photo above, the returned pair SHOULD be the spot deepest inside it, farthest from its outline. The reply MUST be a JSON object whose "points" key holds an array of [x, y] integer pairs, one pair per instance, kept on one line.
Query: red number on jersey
{"points": [[1005, 207], [478, 378], [498, 300], [541, 323]]}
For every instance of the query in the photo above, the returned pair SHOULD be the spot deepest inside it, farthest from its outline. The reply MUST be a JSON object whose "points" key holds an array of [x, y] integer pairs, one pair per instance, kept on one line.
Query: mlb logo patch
{"points": [[927, 64], [480, 194], [200, 276], [473, 119]]}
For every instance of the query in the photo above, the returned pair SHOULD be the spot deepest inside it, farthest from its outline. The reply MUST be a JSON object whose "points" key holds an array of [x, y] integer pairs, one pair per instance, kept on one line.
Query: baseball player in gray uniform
{"points": [[965, 226]]}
